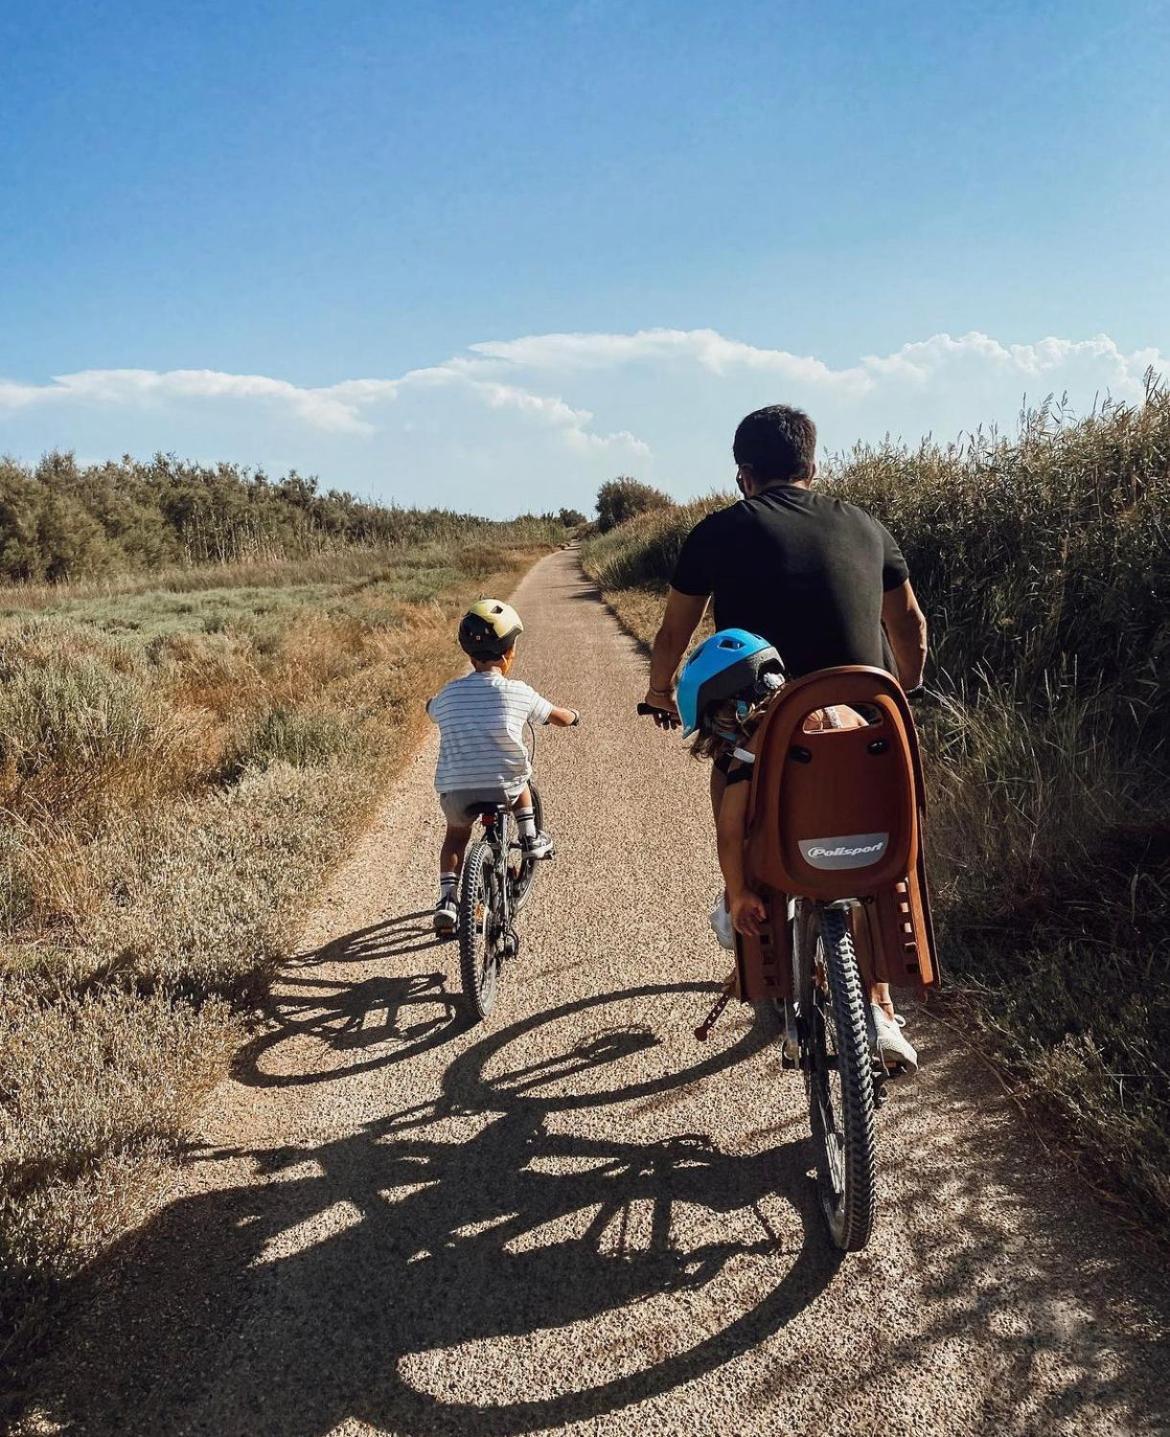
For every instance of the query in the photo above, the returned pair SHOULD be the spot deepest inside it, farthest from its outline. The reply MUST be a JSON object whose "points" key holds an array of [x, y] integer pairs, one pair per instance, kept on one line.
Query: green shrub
{"points": [[63, 521], [642, 552], [620, 499]]}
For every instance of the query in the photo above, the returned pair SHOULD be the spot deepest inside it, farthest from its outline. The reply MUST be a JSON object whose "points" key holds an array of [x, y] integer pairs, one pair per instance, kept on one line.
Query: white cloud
{"points": [[341, 408], [116, 387], [544, 418], [916, 362]]}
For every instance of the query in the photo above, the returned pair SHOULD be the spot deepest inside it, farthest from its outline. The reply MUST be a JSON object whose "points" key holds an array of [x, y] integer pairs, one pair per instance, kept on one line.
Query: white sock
{"points": [[447, 882], [526, 822]]}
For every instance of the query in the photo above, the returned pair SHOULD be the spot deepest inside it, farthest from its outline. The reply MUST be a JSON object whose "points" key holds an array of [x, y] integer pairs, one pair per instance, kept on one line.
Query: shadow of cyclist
{"points": [[391, 1017], [320, 1283]]}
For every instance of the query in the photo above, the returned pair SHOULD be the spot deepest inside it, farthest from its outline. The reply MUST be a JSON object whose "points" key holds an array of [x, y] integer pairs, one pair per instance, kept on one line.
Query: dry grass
{"points": [[1043, 564], [178, 772]]}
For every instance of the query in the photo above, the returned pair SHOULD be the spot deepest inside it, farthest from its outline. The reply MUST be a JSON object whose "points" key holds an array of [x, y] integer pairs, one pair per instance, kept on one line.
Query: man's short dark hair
{"points": [[779, 442]]}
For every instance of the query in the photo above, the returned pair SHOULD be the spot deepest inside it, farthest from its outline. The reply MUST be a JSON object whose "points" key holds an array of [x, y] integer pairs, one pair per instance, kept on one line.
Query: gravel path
{"points": [[575, 1217]]}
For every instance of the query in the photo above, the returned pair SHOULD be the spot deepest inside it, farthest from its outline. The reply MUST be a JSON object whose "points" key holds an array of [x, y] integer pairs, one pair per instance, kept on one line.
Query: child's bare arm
{"points": [[729, 834], [564, 718], [746, 907]]}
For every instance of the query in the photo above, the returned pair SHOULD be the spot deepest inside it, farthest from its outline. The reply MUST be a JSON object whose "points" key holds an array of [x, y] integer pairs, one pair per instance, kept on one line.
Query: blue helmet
{"points": [[728, 665]]}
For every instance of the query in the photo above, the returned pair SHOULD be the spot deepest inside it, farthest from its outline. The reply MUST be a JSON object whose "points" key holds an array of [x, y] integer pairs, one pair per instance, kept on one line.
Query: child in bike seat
{"points": [[723, 693], [483, 759]]}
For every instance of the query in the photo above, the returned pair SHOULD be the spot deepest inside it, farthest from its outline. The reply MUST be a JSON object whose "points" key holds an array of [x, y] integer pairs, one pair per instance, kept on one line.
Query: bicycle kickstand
{"points": [[717, 1008]]}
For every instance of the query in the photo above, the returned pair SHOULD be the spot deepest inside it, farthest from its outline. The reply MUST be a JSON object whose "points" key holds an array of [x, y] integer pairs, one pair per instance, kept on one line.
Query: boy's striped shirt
{"points": [[481, 720]]}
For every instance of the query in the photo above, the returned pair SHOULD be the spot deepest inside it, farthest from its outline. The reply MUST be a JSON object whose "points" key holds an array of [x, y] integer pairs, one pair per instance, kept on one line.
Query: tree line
{"points": [[63, 520]]}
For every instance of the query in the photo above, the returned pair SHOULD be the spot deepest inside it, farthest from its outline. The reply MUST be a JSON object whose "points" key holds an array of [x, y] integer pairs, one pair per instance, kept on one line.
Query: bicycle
{"points": [[828, 1026], [496, 882]]}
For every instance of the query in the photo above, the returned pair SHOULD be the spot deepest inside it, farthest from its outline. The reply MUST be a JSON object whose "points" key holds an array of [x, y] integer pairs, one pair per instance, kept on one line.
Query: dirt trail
{"points": [[575, 1217]]}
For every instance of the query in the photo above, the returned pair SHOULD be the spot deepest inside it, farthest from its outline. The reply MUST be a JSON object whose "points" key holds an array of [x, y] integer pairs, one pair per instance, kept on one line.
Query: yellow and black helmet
{"points": [[489, 629]]}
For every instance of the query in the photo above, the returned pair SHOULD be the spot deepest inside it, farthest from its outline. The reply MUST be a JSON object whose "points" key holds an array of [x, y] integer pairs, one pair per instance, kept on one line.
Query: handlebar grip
{"points": [[663, 716]]}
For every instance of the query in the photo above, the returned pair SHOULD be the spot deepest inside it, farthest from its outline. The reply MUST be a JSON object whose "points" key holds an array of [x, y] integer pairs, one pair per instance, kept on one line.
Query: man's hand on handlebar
{"points": [[660, 706]]}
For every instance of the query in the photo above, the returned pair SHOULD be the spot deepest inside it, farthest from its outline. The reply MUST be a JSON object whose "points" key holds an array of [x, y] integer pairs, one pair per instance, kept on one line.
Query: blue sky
{"points": [[491, 254]]}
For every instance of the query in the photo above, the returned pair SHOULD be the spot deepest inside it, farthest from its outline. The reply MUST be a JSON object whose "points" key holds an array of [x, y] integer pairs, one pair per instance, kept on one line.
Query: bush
{"points": [[302, 740], [620, 499], [61, 521]]}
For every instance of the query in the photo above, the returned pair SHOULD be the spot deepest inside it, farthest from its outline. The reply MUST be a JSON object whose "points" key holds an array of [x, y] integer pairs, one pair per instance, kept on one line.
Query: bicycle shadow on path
{"points": [[347, 1017], [298, 1299], [463, 1265]]}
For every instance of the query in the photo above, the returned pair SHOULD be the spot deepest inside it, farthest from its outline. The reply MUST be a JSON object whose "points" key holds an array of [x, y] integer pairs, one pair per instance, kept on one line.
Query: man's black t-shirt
{"points": [[803, 570]]}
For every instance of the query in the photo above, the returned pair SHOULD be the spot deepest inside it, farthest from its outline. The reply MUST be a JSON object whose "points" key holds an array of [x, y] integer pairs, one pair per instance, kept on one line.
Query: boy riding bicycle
{"points": [[482, 753]]}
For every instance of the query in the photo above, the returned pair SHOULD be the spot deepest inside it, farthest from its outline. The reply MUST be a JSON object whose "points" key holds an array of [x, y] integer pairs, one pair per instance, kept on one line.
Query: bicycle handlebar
{"points": [[664, 718]]}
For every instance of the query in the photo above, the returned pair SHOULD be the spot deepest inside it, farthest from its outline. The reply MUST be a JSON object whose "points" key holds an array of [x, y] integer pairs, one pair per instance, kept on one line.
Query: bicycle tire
{"points": [[479, 958], [524, 875], [845, 1140]]}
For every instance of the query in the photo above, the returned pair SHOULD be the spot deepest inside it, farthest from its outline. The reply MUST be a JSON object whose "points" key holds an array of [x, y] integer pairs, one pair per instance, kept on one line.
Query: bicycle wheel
{"points": [[479, 948], [521, 870], [841, 1107]]}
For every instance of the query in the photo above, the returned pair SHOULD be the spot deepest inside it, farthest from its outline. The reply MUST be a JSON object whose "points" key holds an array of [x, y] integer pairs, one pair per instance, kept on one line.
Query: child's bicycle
{"points": [[496, 881]]}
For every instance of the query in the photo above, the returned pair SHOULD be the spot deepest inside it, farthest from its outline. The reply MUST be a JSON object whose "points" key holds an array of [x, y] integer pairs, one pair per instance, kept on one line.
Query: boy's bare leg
{"points": [[454, 847], [539, 845]]}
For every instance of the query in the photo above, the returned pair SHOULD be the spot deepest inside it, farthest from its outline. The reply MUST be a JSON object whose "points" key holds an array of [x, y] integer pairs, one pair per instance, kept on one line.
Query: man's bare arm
{"points": [[679, 622], [905, 623]]}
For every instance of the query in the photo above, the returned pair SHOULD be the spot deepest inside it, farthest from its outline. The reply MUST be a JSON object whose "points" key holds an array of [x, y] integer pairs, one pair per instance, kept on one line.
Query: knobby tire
{"points": [[849, 1194], [479, 959]]}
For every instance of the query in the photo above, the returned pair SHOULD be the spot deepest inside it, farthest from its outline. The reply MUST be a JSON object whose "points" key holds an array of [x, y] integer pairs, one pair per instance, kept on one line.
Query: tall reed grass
{"points": [[1042, 560]]}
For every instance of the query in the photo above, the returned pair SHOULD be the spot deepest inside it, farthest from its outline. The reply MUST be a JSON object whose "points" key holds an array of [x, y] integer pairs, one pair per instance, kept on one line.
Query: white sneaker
{"points": [[893, 1047], [539, 846], [446, 915], [721, 924]]}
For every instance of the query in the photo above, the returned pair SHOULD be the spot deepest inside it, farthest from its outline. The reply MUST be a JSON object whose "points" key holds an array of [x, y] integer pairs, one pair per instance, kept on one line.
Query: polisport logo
{"points": [[850, 850], [819, 852]]}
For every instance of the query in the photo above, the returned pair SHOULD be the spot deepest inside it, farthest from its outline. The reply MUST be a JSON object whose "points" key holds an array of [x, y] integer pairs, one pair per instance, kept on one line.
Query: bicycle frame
{"points": [[497, 831]]}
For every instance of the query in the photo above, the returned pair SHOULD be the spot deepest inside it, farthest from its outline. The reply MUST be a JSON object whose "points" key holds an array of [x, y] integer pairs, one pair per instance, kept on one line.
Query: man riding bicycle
{"points": [[821, 580]]}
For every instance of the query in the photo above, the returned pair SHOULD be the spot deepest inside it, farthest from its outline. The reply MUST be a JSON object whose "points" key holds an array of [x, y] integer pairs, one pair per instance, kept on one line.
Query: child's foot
{"points": [[446, 914], [538, 845], [894, 1048], [720, 921]]}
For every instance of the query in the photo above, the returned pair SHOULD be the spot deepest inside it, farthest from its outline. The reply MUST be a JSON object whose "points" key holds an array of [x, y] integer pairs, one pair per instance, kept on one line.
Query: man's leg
{"points": [[894, 1048], [720, 918]]}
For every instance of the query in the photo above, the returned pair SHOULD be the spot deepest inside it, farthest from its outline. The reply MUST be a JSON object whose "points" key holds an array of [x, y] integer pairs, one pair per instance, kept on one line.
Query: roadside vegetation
{"points": [[184, 754], [62, 521], [1043, 563]]}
